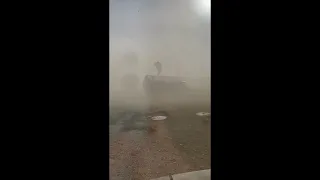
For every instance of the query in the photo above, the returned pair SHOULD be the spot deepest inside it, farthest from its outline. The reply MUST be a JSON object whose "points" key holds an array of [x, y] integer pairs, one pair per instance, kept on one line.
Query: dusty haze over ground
{"points": [[173, 32], [177, 34]]}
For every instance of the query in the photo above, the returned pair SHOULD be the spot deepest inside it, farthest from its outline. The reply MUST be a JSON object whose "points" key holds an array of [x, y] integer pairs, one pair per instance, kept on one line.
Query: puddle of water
{"points": [[136, 122]]}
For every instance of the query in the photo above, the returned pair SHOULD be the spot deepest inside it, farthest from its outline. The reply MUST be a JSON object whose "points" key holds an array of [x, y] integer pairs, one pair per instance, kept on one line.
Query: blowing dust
{"points": [[173, 33]]}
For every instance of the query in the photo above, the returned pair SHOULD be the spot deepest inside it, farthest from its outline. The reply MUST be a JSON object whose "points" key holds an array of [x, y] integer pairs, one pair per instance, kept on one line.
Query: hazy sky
{"points": [[174, 32]]}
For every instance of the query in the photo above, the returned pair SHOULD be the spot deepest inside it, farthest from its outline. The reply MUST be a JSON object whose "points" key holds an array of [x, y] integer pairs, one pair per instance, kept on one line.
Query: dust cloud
{"points": [[174, 32]]}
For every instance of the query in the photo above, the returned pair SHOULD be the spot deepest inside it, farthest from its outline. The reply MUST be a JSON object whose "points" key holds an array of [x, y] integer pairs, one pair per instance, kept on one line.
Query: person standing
{"points": [[159, 67]]}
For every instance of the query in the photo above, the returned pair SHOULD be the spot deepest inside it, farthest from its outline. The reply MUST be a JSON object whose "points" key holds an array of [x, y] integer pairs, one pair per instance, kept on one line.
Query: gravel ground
{"points": [[181, 143]]}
